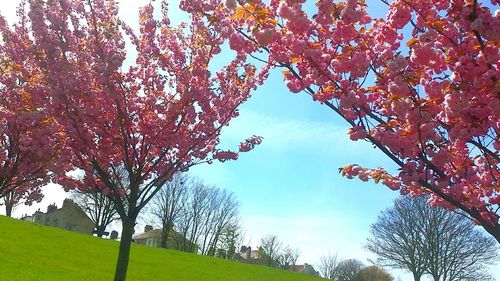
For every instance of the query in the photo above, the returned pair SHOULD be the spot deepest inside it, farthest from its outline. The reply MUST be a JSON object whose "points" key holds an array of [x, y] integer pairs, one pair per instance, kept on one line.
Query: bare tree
{"points": [[424, 240], [204, 216], [190, 216], [294, 257], [168, 203], [287, 259], [226, 213], [269, 248], [99, 207], [474, 274], [347, 270], [208, 217], [456, 250], [397, 241], [373, 273], [328, 265], [183, 227]]}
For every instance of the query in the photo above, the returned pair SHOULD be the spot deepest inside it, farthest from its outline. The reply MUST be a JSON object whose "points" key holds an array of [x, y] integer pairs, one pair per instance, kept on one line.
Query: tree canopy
{"points": [[125, 128], [420, 85], [414, 236]]}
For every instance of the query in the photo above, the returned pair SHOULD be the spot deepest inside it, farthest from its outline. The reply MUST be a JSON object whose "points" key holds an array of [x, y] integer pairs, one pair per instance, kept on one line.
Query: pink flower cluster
{"points": [[126, 129], [429, 102]]}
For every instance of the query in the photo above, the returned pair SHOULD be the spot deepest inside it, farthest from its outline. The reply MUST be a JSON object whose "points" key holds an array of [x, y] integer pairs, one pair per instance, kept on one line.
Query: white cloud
{"points": [[282, 134]]}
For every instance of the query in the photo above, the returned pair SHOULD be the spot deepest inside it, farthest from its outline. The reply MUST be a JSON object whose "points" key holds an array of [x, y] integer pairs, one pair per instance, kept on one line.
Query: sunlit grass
{"points": [[31, 252]]}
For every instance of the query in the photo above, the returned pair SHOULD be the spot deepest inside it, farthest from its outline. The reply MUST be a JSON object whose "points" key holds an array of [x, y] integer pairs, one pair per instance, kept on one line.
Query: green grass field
{"points": [[31, 252]]}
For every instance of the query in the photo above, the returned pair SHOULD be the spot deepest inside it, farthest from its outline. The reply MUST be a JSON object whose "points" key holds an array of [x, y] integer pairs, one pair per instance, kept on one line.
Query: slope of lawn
{"points": [[31, 252]]}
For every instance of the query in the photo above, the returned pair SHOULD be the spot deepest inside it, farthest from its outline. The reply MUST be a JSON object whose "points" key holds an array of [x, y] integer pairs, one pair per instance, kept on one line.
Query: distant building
{"points": [[26, 218], [69, 217], [247, 255], [305, 268], [152, 238]]}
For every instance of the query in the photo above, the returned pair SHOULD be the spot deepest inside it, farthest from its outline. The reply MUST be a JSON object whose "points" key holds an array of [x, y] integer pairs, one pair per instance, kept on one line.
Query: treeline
{"points": [[332, 268], [431, 242], [192, 216], [273, 253], [196, 217], [423, 240]]}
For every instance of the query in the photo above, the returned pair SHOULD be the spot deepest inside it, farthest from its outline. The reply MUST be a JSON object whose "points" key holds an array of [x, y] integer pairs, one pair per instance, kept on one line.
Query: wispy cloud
{"points": [[321, 140], [283, 134]]}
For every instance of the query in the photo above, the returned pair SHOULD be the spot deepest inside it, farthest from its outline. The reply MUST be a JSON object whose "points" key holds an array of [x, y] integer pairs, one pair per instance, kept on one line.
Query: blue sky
{"points": [[289, 186]]}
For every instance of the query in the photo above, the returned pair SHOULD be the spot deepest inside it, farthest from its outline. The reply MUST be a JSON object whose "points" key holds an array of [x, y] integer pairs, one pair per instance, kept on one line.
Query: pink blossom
{"points": [[356, 133]]}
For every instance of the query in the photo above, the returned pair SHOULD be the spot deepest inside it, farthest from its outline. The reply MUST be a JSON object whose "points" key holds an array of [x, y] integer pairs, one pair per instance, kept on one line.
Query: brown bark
{"points": [[124, 252], [8, 209]]}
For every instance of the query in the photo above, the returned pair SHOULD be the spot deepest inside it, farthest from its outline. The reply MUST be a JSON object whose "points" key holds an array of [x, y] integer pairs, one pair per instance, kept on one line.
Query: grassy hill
{"points": [[31, 252]]}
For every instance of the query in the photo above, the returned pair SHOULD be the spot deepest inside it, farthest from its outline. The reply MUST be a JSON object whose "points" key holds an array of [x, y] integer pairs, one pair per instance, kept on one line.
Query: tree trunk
{"points": [[416, 277], [124, 252], [164, 235], [8, 209], [99, 231]]}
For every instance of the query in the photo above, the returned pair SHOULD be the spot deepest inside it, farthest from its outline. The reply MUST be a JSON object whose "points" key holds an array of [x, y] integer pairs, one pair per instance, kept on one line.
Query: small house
{"points": [[69, 217], [152, 238]]}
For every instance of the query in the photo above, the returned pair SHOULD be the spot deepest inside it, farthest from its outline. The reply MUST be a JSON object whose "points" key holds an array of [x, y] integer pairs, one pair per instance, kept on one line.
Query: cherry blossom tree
{"points": [[27, 140], [421, 85], [131, 120]]}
